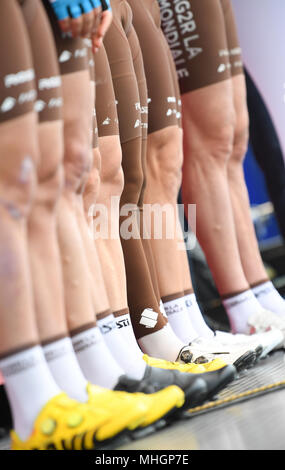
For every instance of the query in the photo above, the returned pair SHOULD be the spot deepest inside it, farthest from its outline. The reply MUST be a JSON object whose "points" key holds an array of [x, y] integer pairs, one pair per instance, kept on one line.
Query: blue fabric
{"points": [[75, 8]]}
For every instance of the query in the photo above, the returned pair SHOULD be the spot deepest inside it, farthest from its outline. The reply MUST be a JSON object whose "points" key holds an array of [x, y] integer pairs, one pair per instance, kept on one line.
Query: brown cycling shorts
{"points": [[203, 38], [163, 104], [30, 79], [122, 46], [106, 105], [72, 52]]}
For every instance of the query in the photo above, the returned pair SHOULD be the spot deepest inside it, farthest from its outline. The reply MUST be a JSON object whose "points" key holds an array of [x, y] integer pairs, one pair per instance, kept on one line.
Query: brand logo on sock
{"points": [[107, 327], [171, 310], [265, 290], [122, 323], [235, 302], [82, 344], [19, 366], [149, 318]]}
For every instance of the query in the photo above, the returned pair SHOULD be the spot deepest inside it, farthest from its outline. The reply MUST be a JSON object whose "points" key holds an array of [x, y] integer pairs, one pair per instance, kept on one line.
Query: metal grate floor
{"points": [[267, 376]]}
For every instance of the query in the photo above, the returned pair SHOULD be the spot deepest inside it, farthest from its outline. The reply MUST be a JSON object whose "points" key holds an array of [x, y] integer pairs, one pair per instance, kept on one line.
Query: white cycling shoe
{"points": [[269, 340], [202, 350]]}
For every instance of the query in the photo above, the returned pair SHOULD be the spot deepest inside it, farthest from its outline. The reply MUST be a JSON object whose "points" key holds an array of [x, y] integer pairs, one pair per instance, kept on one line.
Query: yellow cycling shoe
{"points": [[65, 424], [190, 367], [124, 407], [215, 364]]}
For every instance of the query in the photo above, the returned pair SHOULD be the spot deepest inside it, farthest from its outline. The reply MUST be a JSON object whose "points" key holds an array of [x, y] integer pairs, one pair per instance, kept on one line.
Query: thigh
{"points": [[18, 120], [234, 48], [73, 59], [123, 72], [162, 100], [49, 98], [106, 107], [17, 84], [197, 36], [209, 120], [91, 64], [72, 52]]}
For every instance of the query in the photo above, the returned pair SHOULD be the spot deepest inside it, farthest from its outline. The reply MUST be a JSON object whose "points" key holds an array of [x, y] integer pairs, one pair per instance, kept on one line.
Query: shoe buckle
{"points": [[186, 356]]}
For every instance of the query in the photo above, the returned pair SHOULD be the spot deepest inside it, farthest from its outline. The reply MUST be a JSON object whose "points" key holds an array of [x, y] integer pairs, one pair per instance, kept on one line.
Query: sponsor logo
{"points": [[108, 327], [65, 56], [171, 310], [39, 106], [122, 323], [222, 68], [55, 103], [106, 122], [80, 53], [148, 318], [49, 83], [8, 104], [27, 97], [19, 78]]}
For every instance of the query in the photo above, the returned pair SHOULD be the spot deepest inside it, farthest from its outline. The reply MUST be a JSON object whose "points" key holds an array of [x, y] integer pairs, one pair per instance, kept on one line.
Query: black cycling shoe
{"points": [[218, 379], [193, 385]]}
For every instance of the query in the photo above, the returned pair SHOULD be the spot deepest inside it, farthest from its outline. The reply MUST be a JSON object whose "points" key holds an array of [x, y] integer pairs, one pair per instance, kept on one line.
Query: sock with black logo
{"points": [[239, 309], [125, 328], [129, 358], [196, 316], [178, 317], [95, 360]]}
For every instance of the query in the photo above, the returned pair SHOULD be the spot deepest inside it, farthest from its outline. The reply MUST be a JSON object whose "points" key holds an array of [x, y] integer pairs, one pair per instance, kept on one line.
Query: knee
{"points": [[49, 189], [211, 142], [50, 177], [77, 164], [111, 174], [240, 144], [92, 188], [18, 187], [164, 163]]}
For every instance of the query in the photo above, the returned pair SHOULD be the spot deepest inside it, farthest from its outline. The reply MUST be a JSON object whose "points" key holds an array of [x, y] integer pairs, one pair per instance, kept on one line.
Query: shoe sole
{"points": [[113, 443], [245, 361], [259, 352]]}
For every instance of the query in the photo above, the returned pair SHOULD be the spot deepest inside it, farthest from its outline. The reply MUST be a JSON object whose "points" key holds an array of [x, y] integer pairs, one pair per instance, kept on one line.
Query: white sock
{"points": [[124, 325], [128, 358], [95, 359], [178, 317], [196, 317], [65, 369], [269, 298], [29, 386], [162, 344], [239, 308]]}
